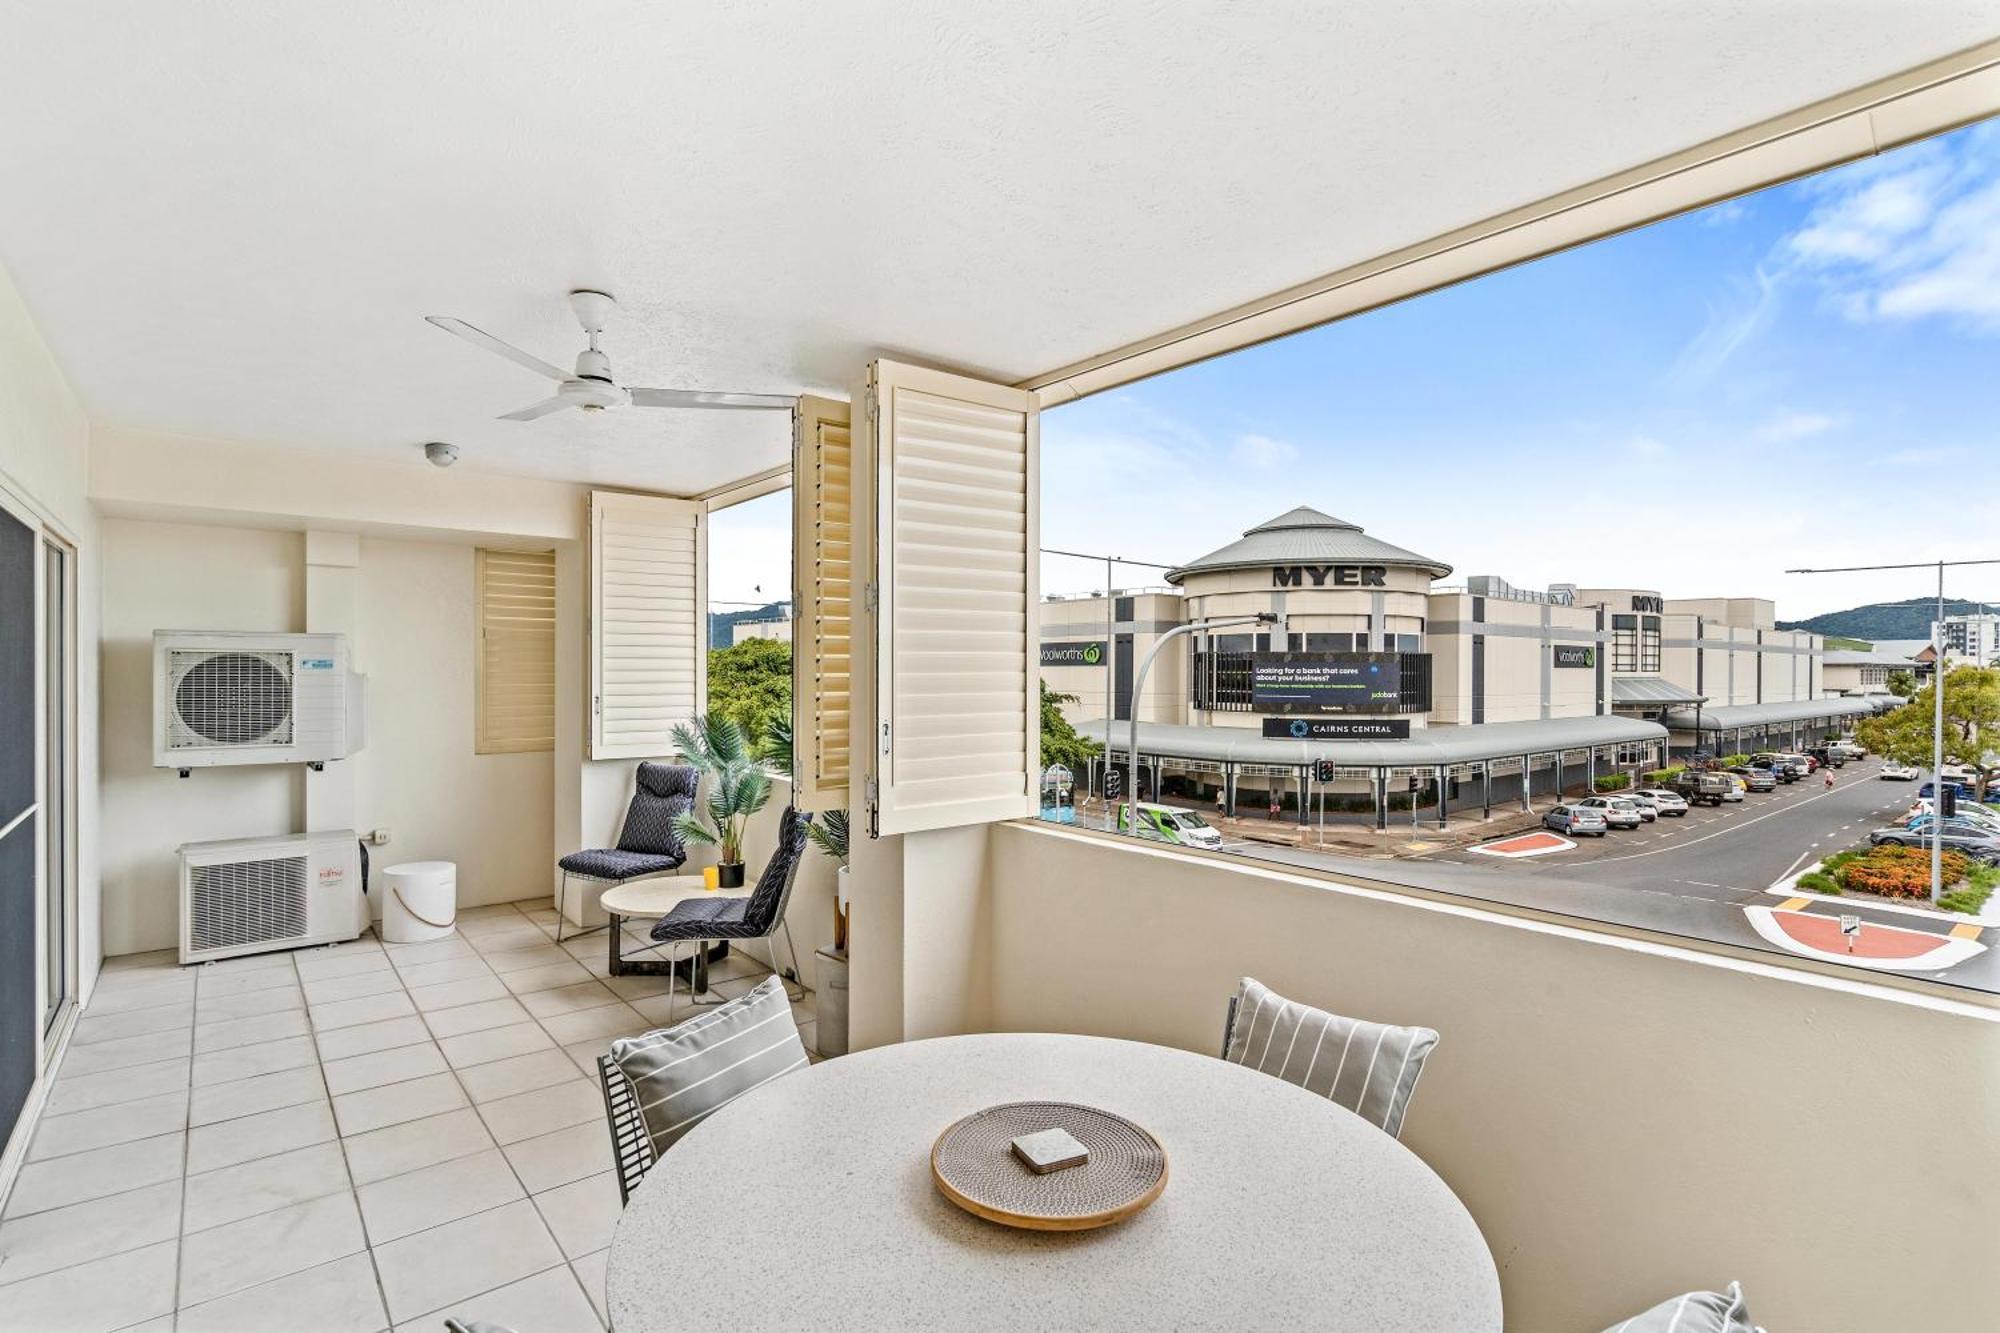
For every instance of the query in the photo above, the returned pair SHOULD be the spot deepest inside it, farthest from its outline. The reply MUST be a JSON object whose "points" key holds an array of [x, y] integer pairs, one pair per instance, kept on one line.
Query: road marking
{"points": [[1704, 884], [1793, 904], [1967, 931], [1727, 828]]}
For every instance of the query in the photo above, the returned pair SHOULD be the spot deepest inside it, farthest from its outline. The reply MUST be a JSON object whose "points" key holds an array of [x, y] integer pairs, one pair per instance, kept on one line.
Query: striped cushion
{"points": [[1696, 1312], [683, 1073], [1370, 1068]]}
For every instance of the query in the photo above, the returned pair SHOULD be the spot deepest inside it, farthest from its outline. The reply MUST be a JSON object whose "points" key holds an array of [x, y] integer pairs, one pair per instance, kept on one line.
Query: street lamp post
{"points": [[1110, 635], [1139, 685], [1937, 698]]}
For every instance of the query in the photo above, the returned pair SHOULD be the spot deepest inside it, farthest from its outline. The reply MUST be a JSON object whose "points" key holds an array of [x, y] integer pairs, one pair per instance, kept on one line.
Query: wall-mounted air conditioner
{"points": [[249, 895], [221, 697]]}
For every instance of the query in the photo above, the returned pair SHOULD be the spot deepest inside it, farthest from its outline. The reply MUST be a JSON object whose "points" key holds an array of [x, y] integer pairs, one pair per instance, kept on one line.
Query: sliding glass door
{"points": [[20, 941], [58, 784]]}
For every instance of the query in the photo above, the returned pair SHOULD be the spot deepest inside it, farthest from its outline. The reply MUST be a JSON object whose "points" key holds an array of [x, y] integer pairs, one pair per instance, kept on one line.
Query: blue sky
{"points": [[1806, 376]]}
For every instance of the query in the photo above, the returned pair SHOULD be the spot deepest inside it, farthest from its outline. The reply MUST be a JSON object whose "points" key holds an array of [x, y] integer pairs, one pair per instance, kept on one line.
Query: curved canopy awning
{"points": [[1651, 690], [1750, 717], [1429, 747]]}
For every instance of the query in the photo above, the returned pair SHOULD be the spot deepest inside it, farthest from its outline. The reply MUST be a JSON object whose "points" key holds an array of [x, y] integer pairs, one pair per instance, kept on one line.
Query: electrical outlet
{"points": [[379, 837]]}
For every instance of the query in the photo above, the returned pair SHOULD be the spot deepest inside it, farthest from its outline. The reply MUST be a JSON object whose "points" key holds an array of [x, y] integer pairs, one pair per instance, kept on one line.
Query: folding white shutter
{"points": [[648, 605], [822, 644], [515, 680], [951, 514]]}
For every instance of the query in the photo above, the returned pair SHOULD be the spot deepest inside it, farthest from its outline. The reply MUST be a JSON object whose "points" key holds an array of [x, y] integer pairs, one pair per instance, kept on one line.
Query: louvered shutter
{"points": [[951, 516], [648, 598], [822, 645], [515, 681]]}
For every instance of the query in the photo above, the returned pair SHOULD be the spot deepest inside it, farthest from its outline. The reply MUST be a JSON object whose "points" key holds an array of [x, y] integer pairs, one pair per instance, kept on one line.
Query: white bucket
{"points": [[419, 901]]}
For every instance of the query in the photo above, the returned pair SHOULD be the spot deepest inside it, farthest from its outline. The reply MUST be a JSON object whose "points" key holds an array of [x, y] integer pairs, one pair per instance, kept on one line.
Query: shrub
{"points": [[1979, 884], [1735, 760], [1839, 859], [1818, 881], [1661, 777], [1900, 872], [1614, 782]]}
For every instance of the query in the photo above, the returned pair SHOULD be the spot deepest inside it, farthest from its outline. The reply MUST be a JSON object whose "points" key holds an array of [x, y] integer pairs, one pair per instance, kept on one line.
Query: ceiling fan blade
{"points": [[481, 338], [541, 409], [704, 398]]}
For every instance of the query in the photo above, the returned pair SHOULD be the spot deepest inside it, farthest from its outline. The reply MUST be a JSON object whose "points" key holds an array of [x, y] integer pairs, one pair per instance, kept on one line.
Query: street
{"points": [[1697, 875]]}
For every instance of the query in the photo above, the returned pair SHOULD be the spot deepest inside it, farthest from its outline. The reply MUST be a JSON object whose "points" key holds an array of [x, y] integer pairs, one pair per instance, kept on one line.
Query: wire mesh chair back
{"points": [[631, 1145]]}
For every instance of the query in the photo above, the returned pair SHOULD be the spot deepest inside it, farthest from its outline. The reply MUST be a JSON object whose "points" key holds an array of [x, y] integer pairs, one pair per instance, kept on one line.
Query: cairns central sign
{"points": [[1322, 576]]}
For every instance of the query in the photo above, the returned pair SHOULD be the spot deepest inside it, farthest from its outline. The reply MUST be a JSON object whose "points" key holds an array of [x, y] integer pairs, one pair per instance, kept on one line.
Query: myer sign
{"points": [[1321, 576], [1084, 654]]}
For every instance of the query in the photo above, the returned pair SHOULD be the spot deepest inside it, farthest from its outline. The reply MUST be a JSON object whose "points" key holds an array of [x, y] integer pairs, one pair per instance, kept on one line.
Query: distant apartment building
{"points": [[1972, 638]]}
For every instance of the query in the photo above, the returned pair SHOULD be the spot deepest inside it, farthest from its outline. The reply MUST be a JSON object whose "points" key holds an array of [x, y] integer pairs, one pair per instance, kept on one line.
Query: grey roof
{"points": [[1728, 717], [1651, 690], [1305, 536], [1870, 657], [1426, 748], [1903, 647]]}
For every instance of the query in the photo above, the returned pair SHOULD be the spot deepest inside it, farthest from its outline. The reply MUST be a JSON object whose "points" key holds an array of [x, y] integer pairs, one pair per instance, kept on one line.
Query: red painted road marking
{"points": [[1874, 941], [1525, 844]]}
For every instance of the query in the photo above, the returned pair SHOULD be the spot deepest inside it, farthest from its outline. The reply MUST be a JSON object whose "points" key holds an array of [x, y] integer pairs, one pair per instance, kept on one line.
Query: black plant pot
{"points": [[729, 875]]}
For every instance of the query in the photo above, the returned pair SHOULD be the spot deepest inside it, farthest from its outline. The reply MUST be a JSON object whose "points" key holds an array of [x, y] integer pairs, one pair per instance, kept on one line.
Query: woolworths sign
{"points": [[1076, 654]]}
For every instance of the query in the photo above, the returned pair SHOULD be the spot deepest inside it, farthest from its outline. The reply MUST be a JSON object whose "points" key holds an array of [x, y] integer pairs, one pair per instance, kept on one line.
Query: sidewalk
{"points": [[1353, 835]]}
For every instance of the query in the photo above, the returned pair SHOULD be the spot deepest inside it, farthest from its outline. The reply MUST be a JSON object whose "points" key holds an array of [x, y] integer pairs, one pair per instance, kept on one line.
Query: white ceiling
{"points": [[230, 218]]}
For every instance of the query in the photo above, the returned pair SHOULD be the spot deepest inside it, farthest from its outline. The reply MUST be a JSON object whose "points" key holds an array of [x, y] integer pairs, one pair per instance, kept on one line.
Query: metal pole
{"points": [[1937, 747], [1110, 650], [1139, 684]]}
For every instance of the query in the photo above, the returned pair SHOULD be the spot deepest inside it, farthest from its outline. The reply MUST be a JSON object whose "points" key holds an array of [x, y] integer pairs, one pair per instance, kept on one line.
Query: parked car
{"points": [[1699, 787], [1922, 823], [1737, 786], [1963, 790], [1980, 846], [1576, 819], [1756, 779], [1828, 756], [1802, 764], [1171, 823], [1664, 801], [1900, 772], [1777, 768], [1617, 811], [1647, 810]]}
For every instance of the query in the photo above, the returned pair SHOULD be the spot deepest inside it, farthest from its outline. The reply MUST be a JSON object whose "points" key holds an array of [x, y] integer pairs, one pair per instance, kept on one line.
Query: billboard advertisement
{"points": [[1291, 683]]}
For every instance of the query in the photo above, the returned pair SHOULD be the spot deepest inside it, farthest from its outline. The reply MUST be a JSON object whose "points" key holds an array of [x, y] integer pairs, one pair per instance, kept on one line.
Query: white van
{"points": [[1171, 823]]}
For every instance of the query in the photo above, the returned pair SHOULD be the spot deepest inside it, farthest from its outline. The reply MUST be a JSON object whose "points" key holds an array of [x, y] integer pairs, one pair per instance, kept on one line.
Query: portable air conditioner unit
{"points": [[251, 895], [234, 698]]}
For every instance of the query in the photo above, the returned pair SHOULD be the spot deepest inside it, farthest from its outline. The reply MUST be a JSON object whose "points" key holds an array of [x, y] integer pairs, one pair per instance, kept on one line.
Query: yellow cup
{"points": [[711, 878]]}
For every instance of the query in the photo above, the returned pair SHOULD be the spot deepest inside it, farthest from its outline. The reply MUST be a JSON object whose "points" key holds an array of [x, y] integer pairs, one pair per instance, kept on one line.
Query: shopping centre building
{"points": [[1379, 686]]}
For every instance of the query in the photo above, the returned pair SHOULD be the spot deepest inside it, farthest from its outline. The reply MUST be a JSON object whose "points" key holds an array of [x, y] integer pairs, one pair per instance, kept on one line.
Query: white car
{"points": [[1617, 811], [1666, 802], [1900, 772]]}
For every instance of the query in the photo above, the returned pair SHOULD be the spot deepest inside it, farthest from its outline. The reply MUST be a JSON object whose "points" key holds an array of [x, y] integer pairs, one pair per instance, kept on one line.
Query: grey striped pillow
{"points": [[1370, 1068], [683, 1074], [1696, 1312]]}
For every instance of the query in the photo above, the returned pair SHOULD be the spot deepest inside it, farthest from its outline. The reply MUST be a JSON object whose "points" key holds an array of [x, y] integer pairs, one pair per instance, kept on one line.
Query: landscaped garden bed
{"points": [[1903, 874]]}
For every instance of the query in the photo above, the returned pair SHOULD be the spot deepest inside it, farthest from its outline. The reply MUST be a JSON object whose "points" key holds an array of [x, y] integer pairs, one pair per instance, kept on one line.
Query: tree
{"points": [[1971, 723], [1902, 684], [1060, 743], [750, 683]]}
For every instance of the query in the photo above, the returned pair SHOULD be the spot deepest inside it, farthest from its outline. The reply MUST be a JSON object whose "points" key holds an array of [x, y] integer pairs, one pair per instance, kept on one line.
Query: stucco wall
{"points": [[1624, 1121]]}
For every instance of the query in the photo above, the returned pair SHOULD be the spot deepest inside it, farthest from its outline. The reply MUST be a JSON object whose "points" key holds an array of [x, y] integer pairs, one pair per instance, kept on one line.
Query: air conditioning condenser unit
{"points": [[251, 895], [222, 697]]}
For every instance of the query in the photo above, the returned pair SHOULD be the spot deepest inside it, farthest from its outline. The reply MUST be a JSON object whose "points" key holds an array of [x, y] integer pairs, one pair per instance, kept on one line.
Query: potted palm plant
{"points": [[739, 787]]}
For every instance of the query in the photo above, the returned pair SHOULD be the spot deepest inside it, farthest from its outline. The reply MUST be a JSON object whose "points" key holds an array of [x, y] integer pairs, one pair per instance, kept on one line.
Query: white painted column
{"points": [[333, 578]]}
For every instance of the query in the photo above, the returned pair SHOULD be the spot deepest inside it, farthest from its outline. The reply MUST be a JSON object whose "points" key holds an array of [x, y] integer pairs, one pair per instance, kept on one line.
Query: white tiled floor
{"points": [[352, 1139]]}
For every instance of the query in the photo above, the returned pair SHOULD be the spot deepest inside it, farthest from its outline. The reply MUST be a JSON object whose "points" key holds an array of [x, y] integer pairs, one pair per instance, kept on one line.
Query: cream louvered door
{"points": [[952, 517], [515, 680], [648, 597], [822, 642]]}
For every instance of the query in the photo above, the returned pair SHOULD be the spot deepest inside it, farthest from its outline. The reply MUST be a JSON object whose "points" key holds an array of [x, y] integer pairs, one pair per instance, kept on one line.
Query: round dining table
{"points": [[809, 1204]]}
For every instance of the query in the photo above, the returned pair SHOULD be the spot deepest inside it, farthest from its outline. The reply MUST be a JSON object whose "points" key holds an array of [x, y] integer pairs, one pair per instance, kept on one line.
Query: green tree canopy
{"points": [[1971, 722], [1903, 684], [750, 683], [1060, 743]]}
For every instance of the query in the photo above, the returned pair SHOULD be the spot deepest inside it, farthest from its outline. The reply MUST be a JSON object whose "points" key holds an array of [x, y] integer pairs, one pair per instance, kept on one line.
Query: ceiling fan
{"points": [[592, 388]]}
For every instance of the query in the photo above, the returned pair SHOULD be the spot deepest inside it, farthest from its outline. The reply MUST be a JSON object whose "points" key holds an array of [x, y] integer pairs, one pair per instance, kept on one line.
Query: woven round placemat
{"points": [[974, 1166]]}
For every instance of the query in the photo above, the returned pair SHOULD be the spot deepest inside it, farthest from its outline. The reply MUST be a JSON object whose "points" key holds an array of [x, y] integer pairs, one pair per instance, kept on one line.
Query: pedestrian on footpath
{"points": [[1829, 779]]}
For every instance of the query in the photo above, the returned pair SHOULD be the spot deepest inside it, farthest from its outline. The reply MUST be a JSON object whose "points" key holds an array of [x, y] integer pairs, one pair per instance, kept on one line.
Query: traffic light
{"points": [[1323, 770]]}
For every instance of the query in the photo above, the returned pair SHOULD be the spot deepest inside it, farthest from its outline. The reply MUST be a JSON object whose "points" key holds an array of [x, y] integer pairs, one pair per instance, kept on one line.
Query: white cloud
{"points": [[1795, 426], [1263, 452], [1915, 238], [1728, 328]]}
